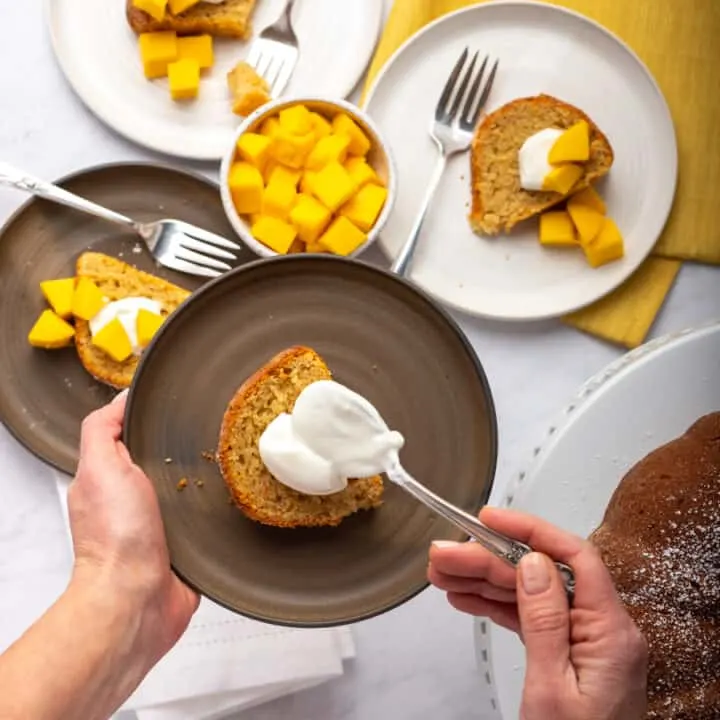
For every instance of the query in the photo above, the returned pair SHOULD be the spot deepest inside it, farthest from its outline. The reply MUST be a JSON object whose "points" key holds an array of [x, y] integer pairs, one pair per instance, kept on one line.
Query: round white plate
{"points": [[542, 49], [644, 400], [98, 52]]}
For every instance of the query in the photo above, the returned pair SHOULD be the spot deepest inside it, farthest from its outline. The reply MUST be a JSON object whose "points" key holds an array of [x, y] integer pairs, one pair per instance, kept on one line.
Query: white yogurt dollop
{"points": [[533, 158], [332, 434], [126, 311]]}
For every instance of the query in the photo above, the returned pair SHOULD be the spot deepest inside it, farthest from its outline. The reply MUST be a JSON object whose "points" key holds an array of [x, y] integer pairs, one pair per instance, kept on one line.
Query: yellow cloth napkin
{"points": [[679, 40]]}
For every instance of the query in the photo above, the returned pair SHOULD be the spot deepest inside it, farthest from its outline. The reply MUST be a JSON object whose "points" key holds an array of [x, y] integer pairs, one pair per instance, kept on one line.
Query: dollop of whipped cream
{"points": [[331, 435], [126, 311], [533, 158]]}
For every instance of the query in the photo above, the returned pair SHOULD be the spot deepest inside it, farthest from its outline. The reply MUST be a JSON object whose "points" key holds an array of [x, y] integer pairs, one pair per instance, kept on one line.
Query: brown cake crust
{"points": [[660, 539]]}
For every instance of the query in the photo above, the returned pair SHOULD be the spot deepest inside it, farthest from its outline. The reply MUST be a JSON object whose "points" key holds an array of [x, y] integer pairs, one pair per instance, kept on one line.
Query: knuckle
{"points": [[544, 619]]}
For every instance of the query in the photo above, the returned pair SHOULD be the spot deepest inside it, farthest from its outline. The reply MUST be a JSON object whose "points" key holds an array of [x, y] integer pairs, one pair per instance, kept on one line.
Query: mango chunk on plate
{"points": [[155, 8], [59, 294], [557, 229], [147, 324], [197, 47], [606, 247], [184, 78], [572, 146], [113, 341], [51, 332], [591, 198], [562, 179], [88, 300], [157, 51], [586, 219]]}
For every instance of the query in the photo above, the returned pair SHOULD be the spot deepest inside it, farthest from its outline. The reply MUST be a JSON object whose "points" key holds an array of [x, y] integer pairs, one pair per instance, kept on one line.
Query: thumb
{"points": [[544, 617]]}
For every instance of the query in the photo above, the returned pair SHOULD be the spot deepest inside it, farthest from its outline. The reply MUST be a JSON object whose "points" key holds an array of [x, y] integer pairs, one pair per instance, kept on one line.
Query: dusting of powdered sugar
{"points": [[674, 596]]}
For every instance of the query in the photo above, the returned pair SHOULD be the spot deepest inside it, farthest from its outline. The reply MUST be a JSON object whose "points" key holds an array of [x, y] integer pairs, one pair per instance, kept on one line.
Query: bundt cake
{"points": [[660, 539]]}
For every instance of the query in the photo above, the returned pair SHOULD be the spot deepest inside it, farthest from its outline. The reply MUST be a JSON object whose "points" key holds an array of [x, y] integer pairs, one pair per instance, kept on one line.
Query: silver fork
{"points": [[175, 244], [450, 137], [507, 549], [274, 53]]}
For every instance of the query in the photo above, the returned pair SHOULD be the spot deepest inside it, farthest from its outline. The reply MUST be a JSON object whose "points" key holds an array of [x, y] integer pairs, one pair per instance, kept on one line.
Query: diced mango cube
{"points": [[333, 148], [296, 120], [321, 127], [572, 146], [59, 294], [606, 247], [254, 148], [157, 51], [180, 6], [270, 127], [590, 197], [50, 332], [279, 196], [588, 221], [275, 233], [333, 186], [154, 8], [364, 207], [197, 47], [88, 300], [114, 341], [291, 150], [306, 182], [342, 237], [246, 187], [248, 90], [557, 229], [184, 78], [146, 325], [286, 174], [359, 142], [360, 171], [315, 248], [562, 178], [310, 217]]}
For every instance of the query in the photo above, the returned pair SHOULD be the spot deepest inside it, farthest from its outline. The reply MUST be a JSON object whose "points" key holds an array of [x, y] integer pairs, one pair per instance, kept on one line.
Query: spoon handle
{"points": [[512, 551]]}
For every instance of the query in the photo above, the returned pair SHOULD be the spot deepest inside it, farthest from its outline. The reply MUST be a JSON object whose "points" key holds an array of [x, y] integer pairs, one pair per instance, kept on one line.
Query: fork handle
{"points": [[507, 549], [402, 263], [20, 180]]}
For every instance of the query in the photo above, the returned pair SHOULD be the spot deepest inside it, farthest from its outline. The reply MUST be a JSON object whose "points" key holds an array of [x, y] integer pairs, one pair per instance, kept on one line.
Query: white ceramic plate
{"points": [[98, 53], [542, 49], [644, 400]]}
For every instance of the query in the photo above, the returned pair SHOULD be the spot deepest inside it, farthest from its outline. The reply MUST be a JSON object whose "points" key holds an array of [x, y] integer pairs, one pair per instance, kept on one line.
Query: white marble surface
{"points": [[416, 663]]}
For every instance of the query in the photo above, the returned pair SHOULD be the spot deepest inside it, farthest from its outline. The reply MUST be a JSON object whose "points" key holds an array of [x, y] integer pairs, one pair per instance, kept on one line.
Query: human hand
{"points": [[118, 536], [588, 662]]}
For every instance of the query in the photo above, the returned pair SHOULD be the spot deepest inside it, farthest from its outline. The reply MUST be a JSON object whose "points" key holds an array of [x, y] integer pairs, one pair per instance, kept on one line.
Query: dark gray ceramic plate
{"points": [[381, 337], [44, 395]]}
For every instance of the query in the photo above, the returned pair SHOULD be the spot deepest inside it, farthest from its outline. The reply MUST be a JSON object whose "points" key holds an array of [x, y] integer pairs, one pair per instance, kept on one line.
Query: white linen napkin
{"points": [[226, 663]]}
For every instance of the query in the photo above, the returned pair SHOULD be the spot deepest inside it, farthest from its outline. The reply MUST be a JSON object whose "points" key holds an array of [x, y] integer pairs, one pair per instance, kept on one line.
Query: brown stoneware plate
{"points": [[381, 337], [45, 394]]}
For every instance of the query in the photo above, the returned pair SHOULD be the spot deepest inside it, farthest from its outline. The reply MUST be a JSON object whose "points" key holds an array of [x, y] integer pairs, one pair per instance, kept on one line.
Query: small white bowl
{"points": [[379, 158]]}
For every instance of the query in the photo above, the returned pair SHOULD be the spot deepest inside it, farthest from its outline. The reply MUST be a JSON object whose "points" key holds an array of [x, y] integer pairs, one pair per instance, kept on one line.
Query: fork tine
{"points": [[468, 114], [282, 78], [189, 268], [191, 243], [272, 73], [450, 86], [191, 256], [206, 236], [462, 89], [264, 64], [254, 55], [486, 92]]}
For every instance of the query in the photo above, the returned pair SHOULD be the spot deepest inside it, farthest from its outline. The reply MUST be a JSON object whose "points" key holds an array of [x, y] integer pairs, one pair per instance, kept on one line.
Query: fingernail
{"points": [[534, 574], [121, 395], [444, 544]]}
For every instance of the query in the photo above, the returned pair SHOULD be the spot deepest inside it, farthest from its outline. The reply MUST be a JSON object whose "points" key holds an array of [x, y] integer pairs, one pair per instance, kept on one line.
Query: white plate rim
{"points": [[96, 108], [667, 119], [482, 628]]}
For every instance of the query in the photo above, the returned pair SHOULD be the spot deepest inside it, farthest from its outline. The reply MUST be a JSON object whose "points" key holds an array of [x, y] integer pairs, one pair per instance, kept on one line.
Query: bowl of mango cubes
{"points": [[308, 175]]}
